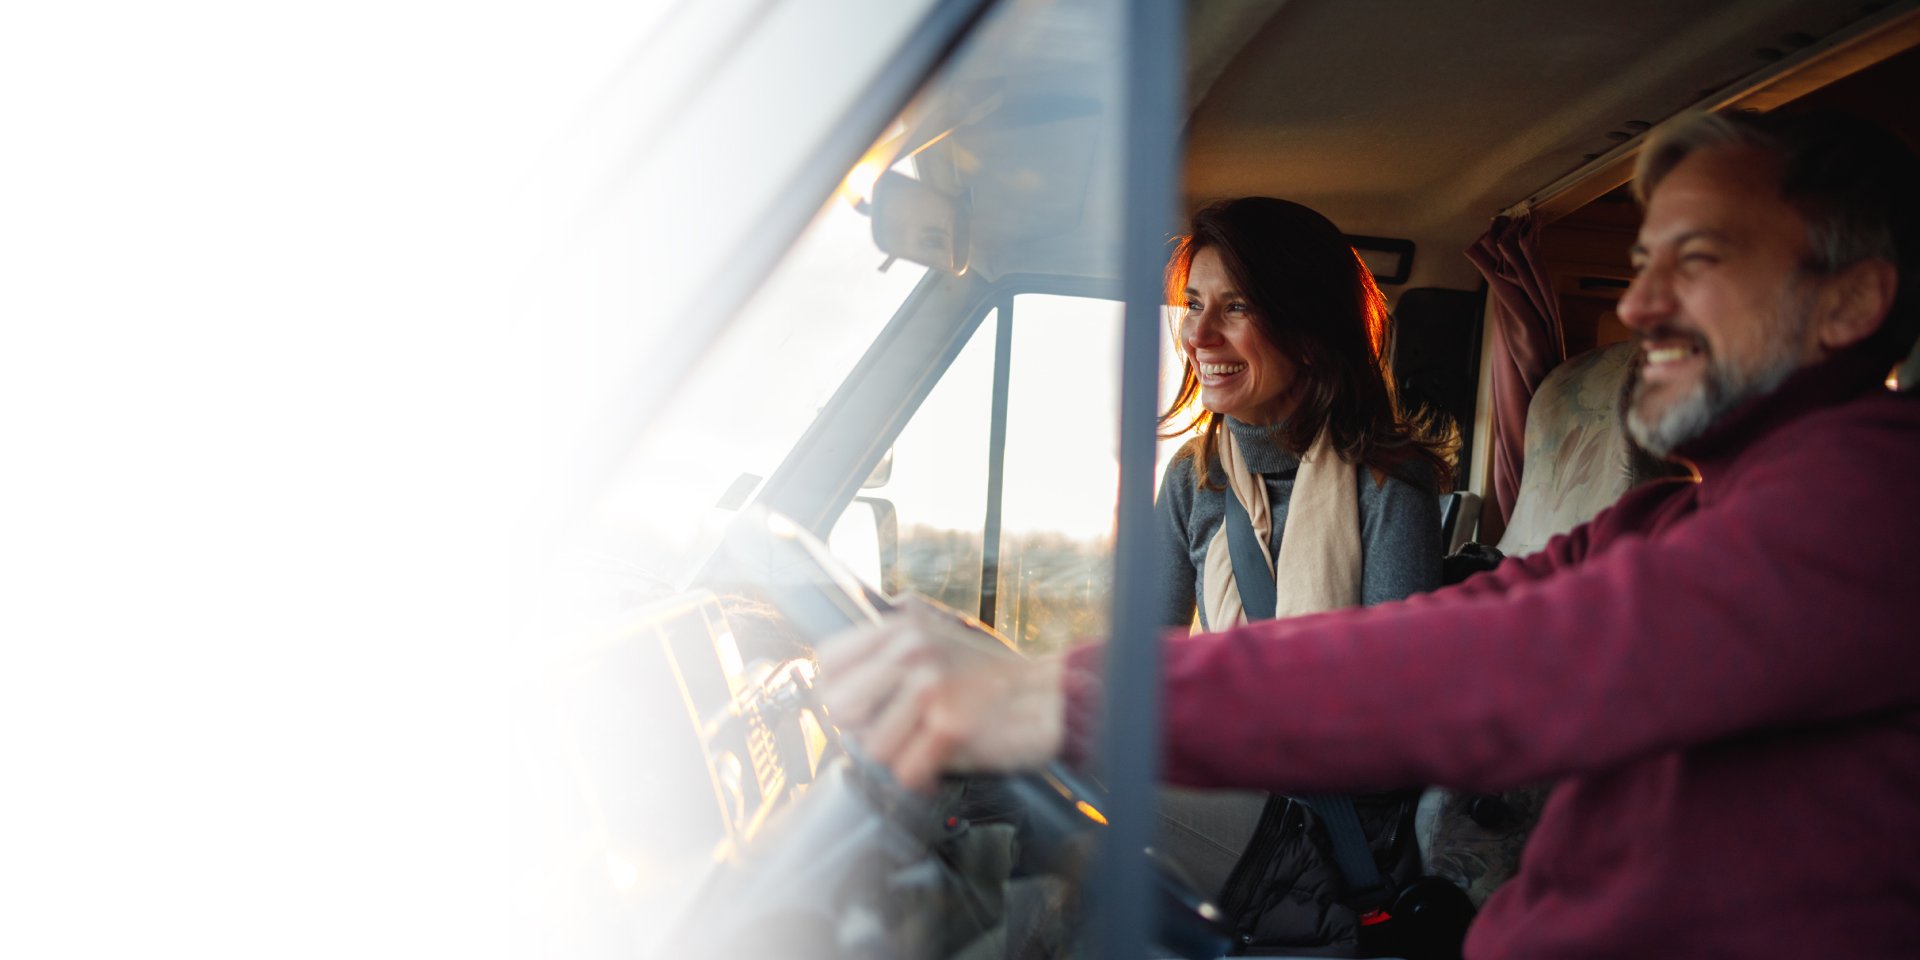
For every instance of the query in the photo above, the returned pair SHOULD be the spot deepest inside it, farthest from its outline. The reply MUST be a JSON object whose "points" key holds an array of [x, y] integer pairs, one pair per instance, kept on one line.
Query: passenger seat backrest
{"points": [[1577, 459]]}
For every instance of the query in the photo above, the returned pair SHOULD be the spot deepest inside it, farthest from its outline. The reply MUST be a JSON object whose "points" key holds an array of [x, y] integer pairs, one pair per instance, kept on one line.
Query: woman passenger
{"points": [[1280, 331]]}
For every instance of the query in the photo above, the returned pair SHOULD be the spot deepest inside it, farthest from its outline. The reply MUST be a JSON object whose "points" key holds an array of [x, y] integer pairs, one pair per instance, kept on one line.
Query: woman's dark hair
{"points": [[1317, 303]]}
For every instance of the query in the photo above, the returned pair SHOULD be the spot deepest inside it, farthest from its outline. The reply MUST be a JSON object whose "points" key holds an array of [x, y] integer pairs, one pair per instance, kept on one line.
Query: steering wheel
{"points": [[820, 597]]}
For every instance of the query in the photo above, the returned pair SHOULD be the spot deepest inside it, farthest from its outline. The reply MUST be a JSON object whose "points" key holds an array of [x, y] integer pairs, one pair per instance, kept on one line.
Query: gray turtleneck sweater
{"points": [[1400, 545]]}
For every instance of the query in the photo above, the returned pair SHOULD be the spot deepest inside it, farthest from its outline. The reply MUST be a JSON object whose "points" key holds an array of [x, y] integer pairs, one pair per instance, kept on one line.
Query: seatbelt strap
{"points": [[1350, 851], [1257, 597], [1250, 570]]}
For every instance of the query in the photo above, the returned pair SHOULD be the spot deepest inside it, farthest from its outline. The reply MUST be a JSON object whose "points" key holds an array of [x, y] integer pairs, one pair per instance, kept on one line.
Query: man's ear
{"points": [[1854, 302]]}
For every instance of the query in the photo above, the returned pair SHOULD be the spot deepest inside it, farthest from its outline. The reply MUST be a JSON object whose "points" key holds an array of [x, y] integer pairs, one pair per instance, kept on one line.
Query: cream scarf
{"points": [[1319, 565]]}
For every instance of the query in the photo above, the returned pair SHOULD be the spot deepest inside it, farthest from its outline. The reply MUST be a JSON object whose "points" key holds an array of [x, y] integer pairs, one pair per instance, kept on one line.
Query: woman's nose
{"points": [[1201, 329]]}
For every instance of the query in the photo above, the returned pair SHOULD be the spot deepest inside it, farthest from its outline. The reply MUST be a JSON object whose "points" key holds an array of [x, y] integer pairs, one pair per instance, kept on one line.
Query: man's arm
{"points": [[1562, 551], [1776, 608]]}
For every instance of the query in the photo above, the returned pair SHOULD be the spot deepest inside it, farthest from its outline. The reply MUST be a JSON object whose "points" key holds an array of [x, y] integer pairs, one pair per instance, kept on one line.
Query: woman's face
{"points": [[1242, 374]]}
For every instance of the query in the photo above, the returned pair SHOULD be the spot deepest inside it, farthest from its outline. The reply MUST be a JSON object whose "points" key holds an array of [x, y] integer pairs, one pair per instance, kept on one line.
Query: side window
{"points": [[928, 514], [1062, 471], [1007, 475]]}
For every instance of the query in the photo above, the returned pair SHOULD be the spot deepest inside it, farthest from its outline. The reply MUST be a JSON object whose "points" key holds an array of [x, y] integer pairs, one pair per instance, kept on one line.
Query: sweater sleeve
{"points": [[1399, 540], [1172, 509], [1779, 603]]}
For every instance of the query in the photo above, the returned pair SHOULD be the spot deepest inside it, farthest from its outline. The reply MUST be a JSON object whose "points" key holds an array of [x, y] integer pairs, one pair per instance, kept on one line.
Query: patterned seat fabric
{"points": [[1578, 462], [1577, 459]]}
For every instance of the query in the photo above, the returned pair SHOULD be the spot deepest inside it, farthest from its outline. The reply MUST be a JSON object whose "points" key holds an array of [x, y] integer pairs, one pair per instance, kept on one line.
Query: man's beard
{"points": [[1719, 391], [1723, 387]]}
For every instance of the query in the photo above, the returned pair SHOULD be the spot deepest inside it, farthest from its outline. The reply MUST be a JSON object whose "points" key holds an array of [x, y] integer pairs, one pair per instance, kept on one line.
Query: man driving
{"points": [[1719, 673]]}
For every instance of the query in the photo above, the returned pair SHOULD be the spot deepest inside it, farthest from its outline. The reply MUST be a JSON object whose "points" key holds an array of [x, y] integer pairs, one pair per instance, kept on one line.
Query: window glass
{"points": [[1000, 176], [1005, 166], [937, 485], [1062, 470], [755, 392], [1051, 563], [1051, 566]]}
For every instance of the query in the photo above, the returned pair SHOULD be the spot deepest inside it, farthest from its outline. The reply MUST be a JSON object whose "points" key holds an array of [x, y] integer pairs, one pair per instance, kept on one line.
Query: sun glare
{"points": [[624, 874], [857, 188], [1087, 810]]}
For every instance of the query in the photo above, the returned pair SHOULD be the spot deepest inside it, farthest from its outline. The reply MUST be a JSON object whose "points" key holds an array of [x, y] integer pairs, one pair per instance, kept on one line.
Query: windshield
{"points": [[996, 180], [754, 393], [928, 380]]}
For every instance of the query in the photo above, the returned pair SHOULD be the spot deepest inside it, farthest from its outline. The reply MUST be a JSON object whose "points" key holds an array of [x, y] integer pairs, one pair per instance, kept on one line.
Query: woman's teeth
{"points": [[1221, 369]]}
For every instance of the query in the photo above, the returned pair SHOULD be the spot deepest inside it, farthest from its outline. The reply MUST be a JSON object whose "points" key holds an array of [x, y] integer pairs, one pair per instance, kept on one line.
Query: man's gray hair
{"points": [[1856, 186], [1836, 235]]}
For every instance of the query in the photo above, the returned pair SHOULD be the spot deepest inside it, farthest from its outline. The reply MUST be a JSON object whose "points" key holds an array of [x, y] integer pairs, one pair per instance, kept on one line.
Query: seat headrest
{"points": [[1576, 457]]}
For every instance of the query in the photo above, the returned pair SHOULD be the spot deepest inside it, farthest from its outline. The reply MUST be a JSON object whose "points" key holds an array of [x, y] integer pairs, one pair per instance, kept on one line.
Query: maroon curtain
{"points": [[1527, 343]]}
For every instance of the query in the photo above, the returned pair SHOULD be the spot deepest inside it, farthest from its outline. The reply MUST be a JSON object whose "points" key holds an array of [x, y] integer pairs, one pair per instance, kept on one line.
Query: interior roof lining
{"points": [[1395, 119]]}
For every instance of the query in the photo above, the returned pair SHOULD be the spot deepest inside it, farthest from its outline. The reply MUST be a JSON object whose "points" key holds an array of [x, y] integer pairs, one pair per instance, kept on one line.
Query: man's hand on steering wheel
{"points": [[923, 693]]}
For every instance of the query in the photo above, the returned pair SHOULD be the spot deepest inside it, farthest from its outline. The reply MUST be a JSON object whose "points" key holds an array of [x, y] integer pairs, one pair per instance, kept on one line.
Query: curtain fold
{"points": [[1527, 343]]}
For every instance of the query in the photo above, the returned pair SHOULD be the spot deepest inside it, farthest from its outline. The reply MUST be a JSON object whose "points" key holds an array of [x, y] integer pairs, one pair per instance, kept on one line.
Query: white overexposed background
{"points": [[280, 435], [267, 447]]}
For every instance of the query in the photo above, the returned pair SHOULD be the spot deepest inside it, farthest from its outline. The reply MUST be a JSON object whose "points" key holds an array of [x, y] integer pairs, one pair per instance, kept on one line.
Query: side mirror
{"points": [[867, 539], [882, 472], [886, 535]]}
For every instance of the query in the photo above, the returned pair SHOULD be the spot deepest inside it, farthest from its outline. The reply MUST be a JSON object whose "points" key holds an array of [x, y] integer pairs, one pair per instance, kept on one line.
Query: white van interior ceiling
{"points": [[1419, 127]]}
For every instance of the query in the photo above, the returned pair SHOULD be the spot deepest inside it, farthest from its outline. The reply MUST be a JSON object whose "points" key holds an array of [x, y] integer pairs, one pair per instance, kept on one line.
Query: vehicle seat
{"points": [[1576, 459]]}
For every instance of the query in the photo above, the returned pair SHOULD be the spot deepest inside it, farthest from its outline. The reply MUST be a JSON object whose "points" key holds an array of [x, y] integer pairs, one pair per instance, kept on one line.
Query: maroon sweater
{"points": [[1725, 673]]}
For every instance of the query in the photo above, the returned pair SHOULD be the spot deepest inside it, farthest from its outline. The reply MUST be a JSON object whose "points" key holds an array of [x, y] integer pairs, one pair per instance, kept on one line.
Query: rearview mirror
{"points": [[913, 221]]}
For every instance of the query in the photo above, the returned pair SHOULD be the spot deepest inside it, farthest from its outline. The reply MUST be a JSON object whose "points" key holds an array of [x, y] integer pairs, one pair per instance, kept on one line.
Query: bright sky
{"points": [[1062, 463]]}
